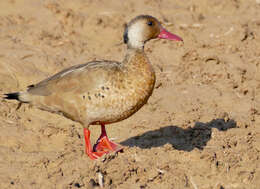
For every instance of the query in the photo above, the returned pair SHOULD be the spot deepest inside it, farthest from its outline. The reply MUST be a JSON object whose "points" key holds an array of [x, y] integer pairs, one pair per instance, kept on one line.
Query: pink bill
{"points": [[167, 35]]}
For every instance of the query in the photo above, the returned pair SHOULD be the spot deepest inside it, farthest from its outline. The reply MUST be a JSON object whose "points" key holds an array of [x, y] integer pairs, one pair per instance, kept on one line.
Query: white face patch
{"points": [[135, 35]]}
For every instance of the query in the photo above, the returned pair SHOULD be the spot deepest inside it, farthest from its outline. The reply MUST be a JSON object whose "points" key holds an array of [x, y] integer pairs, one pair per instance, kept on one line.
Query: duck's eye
{"points": [[150, 23]]}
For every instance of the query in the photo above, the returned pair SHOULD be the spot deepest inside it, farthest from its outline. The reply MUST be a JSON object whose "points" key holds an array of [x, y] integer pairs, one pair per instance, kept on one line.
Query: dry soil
{"points": [[199, 130]]}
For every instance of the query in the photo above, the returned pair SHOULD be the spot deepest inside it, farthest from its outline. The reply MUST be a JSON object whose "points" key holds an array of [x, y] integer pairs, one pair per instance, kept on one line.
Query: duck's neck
{"points": [[135, 56], [137, 63]]}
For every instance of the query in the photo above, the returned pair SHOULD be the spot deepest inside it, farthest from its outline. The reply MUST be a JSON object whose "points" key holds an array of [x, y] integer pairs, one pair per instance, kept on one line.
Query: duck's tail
{"points": [[12, 96], [20, 96]]}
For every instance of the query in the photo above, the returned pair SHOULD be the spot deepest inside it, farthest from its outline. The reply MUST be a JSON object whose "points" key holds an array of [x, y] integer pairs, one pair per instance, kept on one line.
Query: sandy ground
{"points": [[199, 130]]}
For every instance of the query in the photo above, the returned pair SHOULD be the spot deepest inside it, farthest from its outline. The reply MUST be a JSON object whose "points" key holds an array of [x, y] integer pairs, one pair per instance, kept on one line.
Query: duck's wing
{"points": [[76, 78]]}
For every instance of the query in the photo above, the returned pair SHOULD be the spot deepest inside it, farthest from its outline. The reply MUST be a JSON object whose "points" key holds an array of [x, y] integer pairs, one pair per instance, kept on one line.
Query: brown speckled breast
{"points": [[125, 92]]}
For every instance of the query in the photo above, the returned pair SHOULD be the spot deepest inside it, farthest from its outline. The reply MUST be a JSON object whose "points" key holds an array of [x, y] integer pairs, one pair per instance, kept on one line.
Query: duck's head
{"points": [[143, 28]]}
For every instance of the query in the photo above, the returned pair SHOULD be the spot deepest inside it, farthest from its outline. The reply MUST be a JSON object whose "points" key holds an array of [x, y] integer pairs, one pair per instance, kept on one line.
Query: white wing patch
{"points": [[67, 72], [72, 70]]}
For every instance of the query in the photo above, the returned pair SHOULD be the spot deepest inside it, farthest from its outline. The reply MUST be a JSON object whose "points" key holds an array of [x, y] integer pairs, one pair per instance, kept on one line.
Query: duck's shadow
{"points": [[180, 139]]}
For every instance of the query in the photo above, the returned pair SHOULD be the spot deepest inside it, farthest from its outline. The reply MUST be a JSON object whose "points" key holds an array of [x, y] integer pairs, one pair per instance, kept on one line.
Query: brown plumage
{"points": [[102, 92]]}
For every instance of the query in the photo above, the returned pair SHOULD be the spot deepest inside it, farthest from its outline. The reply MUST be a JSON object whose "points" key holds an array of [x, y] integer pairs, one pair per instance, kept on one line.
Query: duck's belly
{"points": [[117, 106]]}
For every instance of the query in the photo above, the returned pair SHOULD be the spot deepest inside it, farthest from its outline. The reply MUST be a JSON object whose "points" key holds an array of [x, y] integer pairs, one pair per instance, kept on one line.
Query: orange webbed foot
{"points": [[103, 145]]}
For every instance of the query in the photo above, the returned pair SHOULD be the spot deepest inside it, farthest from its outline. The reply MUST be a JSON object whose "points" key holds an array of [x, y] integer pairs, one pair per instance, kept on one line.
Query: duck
{"points": [[102, 92]]}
